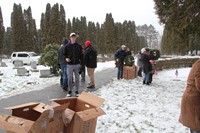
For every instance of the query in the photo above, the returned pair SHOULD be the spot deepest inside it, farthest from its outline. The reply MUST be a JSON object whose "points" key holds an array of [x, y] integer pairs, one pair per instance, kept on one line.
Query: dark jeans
{"points": [[146, 77], [140, 72], [83, 74], [120, 71], [194, 131], [64, 77]]}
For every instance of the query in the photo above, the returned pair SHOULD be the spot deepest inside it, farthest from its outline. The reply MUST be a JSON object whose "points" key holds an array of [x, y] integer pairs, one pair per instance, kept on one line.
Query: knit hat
{"points": [[87, 43]]}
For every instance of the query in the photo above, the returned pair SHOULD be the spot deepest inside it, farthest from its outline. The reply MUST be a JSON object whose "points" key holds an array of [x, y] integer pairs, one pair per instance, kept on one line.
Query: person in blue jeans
{"points": [[146, 65], [63, 65], [120, 54]]}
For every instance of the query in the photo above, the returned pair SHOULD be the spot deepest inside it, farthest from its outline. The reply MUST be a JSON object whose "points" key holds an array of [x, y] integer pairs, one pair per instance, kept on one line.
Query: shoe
{"points": [[65, 88], [69, 94], [148, 83], [91, 87], [144, 82], [77, 94], [82, 80]]}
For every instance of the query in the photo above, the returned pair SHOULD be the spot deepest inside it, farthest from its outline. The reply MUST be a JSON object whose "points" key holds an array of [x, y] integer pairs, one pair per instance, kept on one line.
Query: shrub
{"points": [[49, 57]]}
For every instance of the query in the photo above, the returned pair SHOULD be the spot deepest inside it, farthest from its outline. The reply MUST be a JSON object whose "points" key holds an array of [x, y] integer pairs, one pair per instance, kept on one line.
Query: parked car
{"points": [[26, 57]]}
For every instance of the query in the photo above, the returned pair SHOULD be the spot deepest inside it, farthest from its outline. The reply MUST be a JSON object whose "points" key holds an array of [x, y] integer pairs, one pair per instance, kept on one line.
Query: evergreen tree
{"points": [[47, 26], [182, 17], [63, 22], [109, 33], [83, 35], [69, 28], [2, 31], [7, 47], [92, 32], [41, 32], [31, 32], [55, 34], [18, 29]]}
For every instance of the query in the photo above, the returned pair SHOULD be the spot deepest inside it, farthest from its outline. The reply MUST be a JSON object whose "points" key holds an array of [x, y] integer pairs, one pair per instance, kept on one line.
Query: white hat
{"points": [[72, 34], [143, 50], [123, 46]]}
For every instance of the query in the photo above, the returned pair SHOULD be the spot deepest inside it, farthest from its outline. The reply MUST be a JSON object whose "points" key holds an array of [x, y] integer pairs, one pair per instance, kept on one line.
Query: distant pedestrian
{"points": [[120, 54], [74, 57], [90, 59], [63, 65], [138, 63], [190, 104], [146, 65]]}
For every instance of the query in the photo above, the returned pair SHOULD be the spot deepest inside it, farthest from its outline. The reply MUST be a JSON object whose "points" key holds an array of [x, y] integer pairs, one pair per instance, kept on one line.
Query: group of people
{"points": [[190, 104], [73, 59], [142, 60]]}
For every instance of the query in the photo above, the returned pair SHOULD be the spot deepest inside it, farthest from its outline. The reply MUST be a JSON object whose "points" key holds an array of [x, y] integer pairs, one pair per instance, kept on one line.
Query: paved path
{"points": [[54, 91]]}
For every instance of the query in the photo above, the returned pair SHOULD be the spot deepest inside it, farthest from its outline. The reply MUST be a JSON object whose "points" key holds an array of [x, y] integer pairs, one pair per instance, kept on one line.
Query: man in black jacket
{"points": [[74, 58], [90, 59], [63, 65]]}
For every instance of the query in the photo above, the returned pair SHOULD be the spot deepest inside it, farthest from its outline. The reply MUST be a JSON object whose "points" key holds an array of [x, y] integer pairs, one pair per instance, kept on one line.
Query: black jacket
{"points": [[74, 53], [147, 67], [61, 56], [90, 57]]}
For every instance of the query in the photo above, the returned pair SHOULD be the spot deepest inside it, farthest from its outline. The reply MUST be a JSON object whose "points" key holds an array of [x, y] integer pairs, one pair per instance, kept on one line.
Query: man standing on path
{"points": [[119, 56], [63, 65], [90, 59], [74, 58]]}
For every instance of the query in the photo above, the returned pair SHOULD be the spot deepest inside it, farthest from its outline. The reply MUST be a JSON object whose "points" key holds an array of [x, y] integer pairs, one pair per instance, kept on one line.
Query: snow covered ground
{"points": [[130, 106], [135, 108], [11, 84]]}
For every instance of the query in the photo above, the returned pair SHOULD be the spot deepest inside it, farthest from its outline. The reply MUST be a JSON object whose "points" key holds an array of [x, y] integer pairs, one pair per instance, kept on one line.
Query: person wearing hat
{"points": [[90, 59], [120, 54], [74, 57], [146, 65], [63, 65]]}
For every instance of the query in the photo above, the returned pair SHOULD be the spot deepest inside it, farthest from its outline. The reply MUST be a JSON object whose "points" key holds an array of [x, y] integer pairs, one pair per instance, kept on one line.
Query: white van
{"points": [[26, 57]]}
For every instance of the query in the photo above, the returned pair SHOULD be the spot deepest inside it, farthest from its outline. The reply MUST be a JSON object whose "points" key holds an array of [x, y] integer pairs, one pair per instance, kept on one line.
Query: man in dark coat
{"points": [[146, 65], [190, 104], [90, 59], [120, 54], [74, 57], [63, 65]]}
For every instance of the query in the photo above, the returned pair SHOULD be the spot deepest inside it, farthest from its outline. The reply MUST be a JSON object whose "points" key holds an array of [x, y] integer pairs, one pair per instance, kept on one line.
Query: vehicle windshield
{"points": [[33, 54]]}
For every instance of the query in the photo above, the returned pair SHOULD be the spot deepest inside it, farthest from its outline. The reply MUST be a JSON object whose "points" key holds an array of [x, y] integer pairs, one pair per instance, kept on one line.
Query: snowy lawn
{"points": [[130, 106], [135, 108]]}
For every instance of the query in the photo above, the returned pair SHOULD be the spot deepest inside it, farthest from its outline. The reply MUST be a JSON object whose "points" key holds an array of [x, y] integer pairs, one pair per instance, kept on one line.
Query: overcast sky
{"points": [[140, 11]]}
